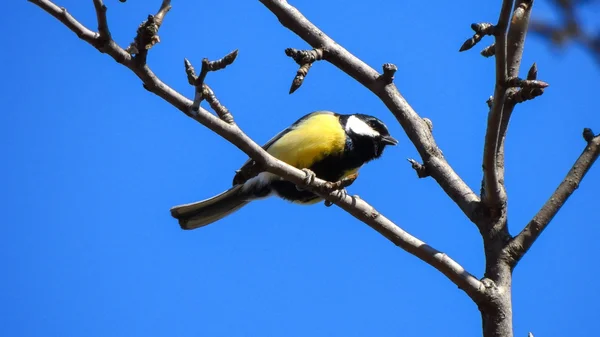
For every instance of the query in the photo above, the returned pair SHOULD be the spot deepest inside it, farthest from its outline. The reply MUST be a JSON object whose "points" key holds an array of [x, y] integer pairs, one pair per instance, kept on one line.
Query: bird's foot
{"points": [[308, 179], [339, 186]]}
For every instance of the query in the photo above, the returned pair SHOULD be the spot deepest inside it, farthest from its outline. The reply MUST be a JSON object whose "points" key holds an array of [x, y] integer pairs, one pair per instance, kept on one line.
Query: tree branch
{"points": [[493, 194], [517, 248], [515, 45], [414, 126], [232, 133]]}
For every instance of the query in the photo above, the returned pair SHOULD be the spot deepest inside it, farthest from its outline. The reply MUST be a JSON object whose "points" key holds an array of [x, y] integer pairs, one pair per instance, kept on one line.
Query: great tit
{"points": [[331, 145]]}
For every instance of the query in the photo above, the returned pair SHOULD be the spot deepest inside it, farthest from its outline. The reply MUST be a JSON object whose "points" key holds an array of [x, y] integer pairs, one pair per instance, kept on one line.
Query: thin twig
{"points": [[494, 195], [515, 45], [147, 33], [355, 206], [517, 248], [481, 30], [102, 21], [203, 91], [214, 103], [305, 59]]}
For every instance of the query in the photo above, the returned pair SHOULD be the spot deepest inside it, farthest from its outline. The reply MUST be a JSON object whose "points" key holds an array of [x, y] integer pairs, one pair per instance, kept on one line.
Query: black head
{"points": [[368, 130]]}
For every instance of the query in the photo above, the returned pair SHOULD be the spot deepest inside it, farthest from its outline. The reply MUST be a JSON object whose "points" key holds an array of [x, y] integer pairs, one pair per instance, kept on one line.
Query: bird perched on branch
{"points": [[331, 145]]}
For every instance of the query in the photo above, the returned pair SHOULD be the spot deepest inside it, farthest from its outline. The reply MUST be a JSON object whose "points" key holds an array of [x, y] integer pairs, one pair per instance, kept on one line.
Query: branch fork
{"points": [[305, 59], [203, 91], [481, 30]]}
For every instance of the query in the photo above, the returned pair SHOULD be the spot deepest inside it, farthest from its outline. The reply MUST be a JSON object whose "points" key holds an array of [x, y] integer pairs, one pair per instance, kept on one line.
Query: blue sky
{"points": [[93, 162]]}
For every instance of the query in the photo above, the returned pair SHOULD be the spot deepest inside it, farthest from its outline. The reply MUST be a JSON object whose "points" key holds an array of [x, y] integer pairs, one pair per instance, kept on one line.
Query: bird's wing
{"points": [[251, 169]]}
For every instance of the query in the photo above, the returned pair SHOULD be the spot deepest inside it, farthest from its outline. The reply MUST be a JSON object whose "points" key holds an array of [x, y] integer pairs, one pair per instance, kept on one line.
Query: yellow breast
{"points": [[312, 140]]}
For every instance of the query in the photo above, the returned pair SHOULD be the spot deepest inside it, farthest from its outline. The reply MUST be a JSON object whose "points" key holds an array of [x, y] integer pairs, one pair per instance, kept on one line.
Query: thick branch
{"points": [[355, 206], [494, 195], [414, 126], [522, 242]]}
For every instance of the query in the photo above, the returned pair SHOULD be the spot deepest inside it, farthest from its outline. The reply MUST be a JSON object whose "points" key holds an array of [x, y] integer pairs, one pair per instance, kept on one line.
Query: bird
{"points": [[329, 145]]}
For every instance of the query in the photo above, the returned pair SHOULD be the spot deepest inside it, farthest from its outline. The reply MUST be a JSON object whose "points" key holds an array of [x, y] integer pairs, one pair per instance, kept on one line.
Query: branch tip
{"points": [[521, 243], [305, 59], [494, 196], [165, 7], [147, 33], [103, 31], [420, 169], [527, 84], [190, 71], [588, 135], [481, 30], [389, 69], [532, 73], [489, 51]]}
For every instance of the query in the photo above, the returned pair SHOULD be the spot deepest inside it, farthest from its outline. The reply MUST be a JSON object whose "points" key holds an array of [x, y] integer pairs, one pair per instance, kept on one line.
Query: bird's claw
{"points": [[340, 184], [340, 195], [308, 179]]}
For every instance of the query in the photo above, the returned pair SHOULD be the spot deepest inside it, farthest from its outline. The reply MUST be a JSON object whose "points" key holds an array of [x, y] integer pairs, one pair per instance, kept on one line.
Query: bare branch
{"points": [[516, 36], [481, 30], [515, 45], [102, 22], [203, 91], [414, 126], [214, 103], [305, 59], [147, 33], [494, 195], [61, 14], [517, 248], [353, 205]]}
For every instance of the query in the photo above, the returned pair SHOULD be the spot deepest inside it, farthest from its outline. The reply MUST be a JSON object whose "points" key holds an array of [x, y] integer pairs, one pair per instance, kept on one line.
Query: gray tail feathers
{"points": [[207, 211]]}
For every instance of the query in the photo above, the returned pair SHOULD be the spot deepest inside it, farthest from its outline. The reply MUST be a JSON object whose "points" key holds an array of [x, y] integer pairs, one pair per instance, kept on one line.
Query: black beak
{"points": [[389, 140]]}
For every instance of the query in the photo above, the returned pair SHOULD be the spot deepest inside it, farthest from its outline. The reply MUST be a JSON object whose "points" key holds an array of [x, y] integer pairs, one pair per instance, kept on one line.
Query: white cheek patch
{"points": [[357, 126]]}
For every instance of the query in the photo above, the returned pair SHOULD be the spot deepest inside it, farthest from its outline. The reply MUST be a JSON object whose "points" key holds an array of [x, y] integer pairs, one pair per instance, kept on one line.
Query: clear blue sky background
{"points": [[92, 163]]}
